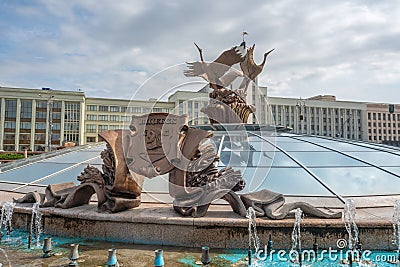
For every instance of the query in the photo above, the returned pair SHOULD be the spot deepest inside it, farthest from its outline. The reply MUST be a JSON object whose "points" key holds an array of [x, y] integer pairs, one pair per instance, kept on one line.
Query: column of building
{"points": [[2, 120]]}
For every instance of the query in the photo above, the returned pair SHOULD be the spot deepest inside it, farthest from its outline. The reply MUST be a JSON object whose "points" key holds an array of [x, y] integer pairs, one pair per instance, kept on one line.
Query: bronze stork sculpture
{"points": [[226, 106], [250, 69], [213, 72]]}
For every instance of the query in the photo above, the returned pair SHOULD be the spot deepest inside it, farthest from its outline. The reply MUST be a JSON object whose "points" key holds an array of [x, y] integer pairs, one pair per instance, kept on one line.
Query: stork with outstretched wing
{"points": [[218, 72], [250, 69]]}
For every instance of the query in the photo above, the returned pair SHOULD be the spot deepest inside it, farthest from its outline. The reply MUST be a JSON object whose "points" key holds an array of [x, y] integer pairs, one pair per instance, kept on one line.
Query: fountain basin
{"points": [[221, 228]]}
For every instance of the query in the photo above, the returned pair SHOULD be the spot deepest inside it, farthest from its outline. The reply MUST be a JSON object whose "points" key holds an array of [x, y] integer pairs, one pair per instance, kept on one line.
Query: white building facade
{"points": [[320, 116], [33, 119]]}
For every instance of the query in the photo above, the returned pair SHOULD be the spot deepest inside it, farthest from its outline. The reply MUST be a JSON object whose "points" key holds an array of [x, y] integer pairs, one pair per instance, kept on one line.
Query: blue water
{"points": [[19, 240]]}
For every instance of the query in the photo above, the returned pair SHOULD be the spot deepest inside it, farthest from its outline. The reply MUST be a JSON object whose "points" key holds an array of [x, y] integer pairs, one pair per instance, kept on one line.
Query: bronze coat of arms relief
{"points": [[155, 143]]}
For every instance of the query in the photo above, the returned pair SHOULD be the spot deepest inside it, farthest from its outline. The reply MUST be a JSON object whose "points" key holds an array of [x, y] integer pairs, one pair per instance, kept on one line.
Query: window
{"points": [[55, 138], [90, 139], [379, 116], [123, 109], [25, 125], [114, 109], [11, 108], [369, 115], [103, 117], [103, 108], [71, 122], [180, 107], [72, 126], [41, 114], [134, 109], [114, 127], [9, 136], [91, 107], [126, 118], [9, 125], [103, 128], [157, 109], [114, 118], [56, 104], [9, 147], [41, 104], [91, 117], [40, 126], [26, 109], [146, 110], [374, 116], [56, 126], [56, 115], [91, 128], [25, 137], [40, 138]]}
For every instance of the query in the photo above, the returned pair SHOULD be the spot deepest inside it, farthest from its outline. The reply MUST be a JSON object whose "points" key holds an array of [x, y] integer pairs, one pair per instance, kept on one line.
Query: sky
{"points": [[350, 49]]}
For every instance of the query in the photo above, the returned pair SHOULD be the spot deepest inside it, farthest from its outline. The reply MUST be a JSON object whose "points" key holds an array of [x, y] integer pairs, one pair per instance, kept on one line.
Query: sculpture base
{"points": [[221, 228]]}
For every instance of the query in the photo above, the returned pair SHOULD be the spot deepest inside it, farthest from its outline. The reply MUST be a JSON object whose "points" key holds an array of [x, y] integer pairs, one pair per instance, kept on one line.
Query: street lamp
{"points": [[50, 124], [300, 104], [344, 123]]}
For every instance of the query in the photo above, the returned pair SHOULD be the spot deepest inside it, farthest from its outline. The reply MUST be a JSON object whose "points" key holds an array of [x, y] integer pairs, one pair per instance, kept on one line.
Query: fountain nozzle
{"points": [[159, 259], [269, 245], [29, 240], [47, 247], [315, 247], [205, 255], [249, 256], [112, 258], [73, 255]]}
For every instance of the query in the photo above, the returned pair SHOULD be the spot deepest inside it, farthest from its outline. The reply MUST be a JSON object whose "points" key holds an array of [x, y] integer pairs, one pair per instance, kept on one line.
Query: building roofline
{"points": [[41, 90], [323, 101], [127, 100]]}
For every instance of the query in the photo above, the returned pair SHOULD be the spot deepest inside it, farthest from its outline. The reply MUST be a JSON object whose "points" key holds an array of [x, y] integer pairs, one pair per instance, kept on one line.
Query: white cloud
{"points": [[334, 47]]}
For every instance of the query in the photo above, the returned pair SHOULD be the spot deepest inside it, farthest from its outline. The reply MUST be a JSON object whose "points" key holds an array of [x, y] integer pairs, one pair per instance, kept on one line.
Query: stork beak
{"points": [[269, 51]]}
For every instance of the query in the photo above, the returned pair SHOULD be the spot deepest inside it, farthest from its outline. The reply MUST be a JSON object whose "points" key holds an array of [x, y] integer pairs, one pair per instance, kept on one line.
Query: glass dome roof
{"points": [[297, 166]]}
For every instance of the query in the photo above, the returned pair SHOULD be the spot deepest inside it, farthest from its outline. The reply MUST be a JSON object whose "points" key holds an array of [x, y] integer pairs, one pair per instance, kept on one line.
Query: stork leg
{"points": [[200, 52]]}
